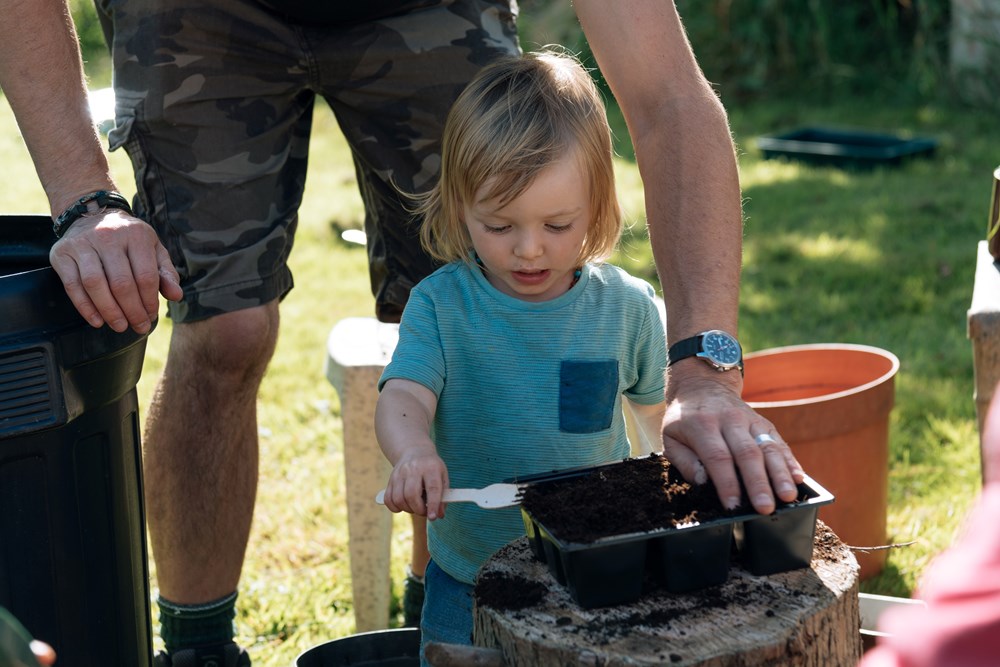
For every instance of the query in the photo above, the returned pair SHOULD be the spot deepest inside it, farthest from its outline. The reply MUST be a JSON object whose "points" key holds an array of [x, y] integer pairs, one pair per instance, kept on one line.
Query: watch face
{"points": [[722, 348]]}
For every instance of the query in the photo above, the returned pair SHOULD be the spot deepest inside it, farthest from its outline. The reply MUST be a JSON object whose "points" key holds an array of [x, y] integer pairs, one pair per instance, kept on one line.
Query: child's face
{"points": [[531, 246]]}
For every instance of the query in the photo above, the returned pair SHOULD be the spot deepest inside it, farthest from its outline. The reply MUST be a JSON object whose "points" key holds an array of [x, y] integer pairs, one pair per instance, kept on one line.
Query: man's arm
{"points": [[687, 161], [111, 264]]}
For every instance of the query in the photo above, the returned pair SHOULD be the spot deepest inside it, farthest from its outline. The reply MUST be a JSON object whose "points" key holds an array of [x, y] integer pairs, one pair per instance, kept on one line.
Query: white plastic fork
{"points": [[490, 497]]}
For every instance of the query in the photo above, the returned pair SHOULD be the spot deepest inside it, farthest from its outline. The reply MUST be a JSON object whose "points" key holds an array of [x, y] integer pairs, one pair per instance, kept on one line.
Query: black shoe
{"points": [[219, 655], [413, 599]]}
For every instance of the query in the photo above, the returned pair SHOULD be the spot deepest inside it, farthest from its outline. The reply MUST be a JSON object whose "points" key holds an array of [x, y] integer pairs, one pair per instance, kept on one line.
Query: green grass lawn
{"points": [[883, 258]]}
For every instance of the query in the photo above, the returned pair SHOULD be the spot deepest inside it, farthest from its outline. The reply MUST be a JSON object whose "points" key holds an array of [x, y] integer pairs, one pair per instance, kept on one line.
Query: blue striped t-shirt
{"points": [[524, 387]]}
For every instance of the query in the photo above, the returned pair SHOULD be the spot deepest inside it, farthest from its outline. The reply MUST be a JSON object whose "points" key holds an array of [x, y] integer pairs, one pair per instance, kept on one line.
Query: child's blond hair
{"points": [[516, 117]]}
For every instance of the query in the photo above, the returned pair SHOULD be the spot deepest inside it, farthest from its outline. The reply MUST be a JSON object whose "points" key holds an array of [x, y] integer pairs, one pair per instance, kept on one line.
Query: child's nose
{"points": [[528, 246]]}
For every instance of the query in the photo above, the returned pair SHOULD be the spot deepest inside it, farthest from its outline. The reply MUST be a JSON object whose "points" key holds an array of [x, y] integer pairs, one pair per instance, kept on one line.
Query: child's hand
{"points": [[403, 420], [417, 483]]}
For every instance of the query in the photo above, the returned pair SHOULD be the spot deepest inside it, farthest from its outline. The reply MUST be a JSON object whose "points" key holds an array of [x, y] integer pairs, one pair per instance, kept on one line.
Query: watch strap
{"points": [[91, 203], [683, 349]]}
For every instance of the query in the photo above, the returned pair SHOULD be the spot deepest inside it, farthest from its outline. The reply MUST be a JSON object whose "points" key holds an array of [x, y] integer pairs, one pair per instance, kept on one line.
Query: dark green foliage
{"points": [[892, 47], [88, 29], [896, 49]]}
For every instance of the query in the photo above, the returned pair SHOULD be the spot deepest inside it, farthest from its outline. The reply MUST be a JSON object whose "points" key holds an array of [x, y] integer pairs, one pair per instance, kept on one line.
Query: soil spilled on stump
{"points": [[507, 591]]}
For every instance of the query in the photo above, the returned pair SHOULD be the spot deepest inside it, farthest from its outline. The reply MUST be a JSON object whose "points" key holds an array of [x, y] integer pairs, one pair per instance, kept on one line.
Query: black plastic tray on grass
{"points": [[612, 570], [844, 148]]}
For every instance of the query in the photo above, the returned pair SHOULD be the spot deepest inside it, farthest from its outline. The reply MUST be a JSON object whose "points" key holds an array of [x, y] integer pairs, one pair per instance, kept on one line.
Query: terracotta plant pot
{"points": [[831, 403]]}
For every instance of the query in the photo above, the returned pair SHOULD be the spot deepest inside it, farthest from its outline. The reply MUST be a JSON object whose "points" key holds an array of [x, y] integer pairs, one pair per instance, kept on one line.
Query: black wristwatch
{"points": [[718, 349]]}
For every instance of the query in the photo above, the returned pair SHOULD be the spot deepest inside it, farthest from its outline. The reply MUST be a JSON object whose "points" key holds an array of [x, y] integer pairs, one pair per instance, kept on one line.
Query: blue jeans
{"points": [[447, 612]]}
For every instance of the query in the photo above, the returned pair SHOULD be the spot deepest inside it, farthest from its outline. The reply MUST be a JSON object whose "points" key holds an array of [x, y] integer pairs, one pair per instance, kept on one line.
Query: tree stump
{"points": [[806, 617]]}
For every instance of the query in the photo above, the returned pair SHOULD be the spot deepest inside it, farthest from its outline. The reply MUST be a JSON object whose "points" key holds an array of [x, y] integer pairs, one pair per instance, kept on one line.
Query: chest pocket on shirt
{"points": [[587, 394]]}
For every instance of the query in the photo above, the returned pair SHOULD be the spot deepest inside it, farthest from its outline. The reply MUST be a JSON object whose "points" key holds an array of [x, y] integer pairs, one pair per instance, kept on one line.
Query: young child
{"points": [[513, 357]]}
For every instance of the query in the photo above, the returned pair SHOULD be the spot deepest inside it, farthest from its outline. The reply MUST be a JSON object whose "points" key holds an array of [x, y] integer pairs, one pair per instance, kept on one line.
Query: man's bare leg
{"points": [[201, 453]]}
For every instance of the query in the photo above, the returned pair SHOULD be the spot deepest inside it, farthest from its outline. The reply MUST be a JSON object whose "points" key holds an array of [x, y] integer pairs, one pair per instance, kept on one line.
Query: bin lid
{"points": [[31, 294]]}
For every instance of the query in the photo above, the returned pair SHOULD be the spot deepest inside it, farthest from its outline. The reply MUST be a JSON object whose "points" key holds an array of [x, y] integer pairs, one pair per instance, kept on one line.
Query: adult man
{"points": [[214, 108]]}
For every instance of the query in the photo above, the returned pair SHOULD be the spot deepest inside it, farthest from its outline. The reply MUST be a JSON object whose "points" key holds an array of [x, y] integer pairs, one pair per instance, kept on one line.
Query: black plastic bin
{"points": [[73, 563], [382, 648]]}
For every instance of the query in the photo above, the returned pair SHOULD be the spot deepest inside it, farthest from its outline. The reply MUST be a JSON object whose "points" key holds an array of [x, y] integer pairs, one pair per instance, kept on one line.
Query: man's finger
{"points": [[112, 286], [145, 272], [750, 459], [170, 281], [685, 460], [66, 269]]}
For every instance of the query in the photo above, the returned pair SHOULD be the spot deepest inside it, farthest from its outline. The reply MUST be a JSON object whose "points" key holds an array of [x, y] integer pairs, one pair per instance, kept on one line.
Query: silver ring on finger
{"points": [[764, 439]]}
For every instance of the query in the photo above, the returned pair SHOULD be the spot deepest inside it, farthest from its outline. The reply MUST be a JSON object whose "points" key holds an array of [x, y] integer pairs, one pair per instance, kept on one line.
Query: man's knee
{"points": [[236, 345]]}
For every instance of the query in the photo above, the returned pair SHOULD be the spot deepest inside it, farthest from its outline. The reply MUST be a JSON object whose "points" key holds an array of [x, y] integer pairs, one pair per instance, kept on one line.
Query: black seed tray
{"points": [[612, 570], [844, 148]]}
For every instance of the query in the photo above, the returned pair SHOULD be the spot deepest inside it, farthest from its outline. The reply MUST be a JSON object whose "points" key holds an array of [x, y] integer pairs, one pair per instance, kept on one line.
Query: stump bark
{"points": [[807, 617]]}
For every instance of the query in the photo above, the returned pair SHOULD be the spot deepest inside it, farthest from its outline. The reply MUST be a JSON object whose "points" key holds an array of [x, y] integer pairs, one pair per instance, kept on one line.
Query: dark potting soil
{"points": [[632, 496], [508, 592]]}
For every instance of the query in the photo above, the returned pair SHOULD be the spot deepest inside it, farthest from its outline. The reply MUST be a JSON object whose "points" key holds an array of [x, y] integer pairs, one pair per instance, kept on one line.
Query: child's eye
{"points": [[559, 228], [496, 229]]}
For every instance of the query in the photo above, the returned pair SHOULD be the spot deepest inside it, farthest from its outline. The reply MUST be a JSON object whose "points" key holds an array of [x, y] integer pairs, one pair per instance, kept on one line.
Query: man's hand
{"points": [[709, 432], [111, 264], [114, 267]]}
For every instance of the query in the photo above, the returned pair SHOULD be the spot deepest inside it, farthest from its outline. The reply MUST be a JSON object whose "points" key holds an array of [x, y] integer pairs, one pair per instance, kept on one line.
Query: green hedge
{"points": [[896, 47], [751, 47], [88, 28]]}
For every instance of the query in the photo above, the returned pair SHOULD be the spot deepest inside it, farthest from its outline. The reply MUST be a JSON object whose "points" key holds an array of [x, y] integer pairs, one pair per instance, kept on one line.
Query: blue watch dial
{"points": [[722, 348]]}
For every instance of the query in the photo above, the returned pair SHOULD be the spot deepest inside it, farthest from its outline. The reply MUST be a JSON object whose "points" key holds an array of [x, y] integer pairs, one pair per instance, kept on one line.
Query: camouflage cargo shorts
{"points": [[214, 107]]}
